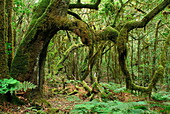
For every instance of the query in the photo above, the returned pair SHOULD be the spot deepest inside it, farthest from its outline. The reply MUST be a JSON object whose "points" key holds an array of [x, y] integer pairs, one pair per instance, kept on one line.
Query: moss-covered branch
{"points": [[88, 36], [66, 54], [148, 17]]}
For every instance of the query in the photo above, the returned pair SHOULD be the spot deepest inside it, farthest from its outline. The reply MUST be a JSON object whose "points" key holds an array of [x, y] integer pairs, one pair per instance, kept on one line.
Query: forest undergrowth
{"points": [[80, 97]]}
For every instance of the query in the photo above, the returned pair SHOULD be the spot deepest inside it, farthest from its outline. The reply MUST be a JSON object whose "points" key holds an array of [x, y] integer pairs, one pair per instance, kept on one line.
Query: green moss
{"points": [[157, 75], [22, 61], [109, 33], [165, 49], [19, 63], [40, 9]]}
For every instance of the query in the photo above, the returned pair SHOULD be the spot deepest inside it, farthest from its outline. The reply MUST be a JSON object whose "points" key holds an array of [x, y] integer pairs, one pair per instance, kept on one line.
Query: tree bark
{"points": [[9, 7], [3, 56]]}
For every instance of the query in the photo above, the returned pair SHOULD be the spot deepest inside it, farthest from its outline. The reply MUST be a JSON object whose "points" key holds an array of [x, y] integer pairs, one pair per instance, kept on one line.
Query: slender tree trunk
{"points": [[139, 61], [155, 48], [9, 7]]}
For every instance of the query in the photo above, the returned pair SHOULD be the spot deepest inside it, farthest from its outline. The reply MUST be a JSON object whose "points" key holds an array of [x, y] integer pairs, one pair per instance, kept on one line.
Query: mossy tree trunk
{"points": [[41, 29], [3, 55], [4, 71], [9, 10], [41, 64]]}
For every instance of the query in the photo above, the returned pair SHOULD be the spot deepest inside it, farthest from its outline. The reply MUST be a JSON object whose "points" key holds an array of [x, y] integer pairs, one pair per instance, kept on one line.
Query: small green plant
{"points": [[11, 85], [8, 85]]}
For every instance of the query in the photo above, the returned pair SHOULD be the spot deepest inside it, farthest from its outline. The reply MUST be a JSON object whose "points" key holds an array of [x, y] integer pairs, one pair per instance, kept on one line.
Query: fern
{"points": [[13, 85], [25, 86], [161, 96], [113, 107], [165, 106], [8, 85]]}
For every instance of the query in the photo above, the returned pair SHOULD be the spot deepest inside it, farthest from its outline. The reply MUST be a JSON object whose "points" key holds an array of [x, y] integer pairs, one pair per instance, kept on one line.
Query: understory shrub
{"points": [[12, 85]]}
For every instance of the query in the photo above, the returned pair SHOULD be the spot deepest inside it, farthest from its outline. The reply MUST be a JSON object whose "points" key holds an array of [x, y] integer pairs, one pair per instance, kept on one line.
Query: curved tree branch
{"points": [[75, 15], [148, 17], [66, 54], [80, 28], [122, 49], [118, 12], [89, 6]]}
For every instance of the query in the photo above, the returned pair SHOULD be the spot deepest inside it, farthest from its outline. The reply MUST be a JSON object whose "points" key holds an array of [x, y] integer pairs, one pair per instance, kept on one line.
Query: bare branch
{"points": [[75, 15]]}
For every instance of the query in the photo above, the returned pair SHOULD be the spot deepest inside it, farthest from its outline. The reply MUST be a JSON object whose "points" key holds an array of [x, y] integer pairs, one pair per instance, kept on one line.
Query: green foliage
{"points": [[8, 85], [165, 34], [20, 7], [25, 86], [73, 81], [113, 86], [8, 48], [74, 98], [11, 85], [114, 107], [165, 106], [161, 96]]}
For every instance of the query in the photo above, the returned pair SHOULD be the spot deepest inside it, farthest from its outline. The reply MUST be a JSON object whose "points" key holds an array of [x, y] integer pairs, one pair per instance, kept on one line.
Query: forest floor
{"points": [[62, 100]]}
